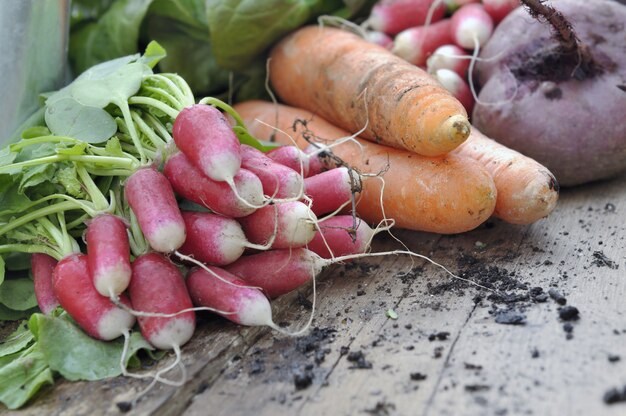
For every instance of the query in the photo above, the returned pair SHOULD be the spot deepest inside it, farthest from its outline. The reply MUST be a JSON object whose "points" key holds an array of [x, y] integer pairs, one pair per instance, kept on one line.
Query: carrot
{"points": [[527, 190], [356, 84], [446, 195]]}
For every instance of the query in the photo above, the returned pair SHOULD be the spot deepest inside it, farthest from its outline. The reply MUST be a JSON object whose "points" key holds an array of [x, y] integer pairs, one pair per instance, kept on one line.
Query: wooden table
{"points": [[445, 354]]}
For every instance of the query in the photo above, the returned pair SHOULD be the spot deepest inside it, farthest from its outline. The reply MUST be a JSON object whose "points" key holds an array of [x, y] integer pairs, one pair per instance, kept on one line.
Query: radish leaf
{"points": [[18, 294], [77, 356]]}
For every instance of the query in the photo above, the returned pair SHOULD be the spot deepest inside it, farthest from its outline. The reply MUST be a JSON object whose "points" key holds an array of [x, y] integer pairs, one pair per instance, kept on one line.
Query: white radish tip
{"points": [[255, 311], [221, 166], [232, 242], [469, 28], [450, 80], [177, 331], [167, 237], [404, 46], [301, 231], [114, 323], [114, 279]]}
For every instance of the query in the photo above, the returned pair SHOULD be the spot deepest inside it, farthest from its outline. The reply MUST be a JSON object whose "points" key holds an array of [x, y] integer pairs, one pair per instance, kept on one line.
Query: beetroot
{"points": [[568, 107]]}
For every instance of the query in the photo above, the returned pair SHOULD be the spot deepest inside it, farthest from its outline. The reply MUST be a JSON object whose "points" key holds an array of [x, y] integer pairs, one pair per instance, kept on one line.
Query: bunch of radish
{"points": [[268, 206], [439, 35]]}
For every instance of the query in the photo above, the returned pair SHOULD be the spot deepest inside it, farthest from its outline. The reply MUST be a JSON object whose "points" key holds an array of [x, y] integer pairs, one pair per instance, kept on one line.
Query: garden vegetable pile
{"points": [[126, 163]]}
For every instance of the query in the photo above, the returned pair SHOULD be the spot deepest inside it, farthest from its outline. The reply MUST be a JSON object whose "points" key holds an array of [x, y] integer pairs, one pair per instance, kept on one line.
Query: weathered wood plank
{"points": [[568, 376], [237, 370]]}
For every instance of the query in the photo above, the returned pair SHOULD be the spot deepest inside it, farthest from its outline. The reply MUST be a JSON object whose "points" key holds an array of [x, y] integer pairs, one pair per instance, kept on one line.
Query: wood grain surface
{"points": [[445, 354]]}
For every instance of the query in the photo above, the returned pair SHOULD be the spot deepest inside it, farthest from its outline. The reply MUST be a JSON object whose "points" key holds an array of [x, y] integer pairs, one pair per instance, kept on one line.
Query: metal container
{"points": [[33, 57]]}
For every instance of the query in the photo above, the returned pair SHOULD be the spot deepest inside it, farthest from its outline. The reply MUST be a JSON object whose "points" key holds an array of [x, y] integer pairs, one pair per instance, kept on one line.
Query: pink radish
{"points": [[449, 57], [108, 252], [332, 189], [212, 238], [295, 227], [219, 197], [96, 314], [342, 237], [393, 16], [157, 286], [245, 305], [416, 44], [379, 38], [152, 199], [316, 164], [499, 9], [292, 157], [471, 26], [42, 266], [206, 137], [278, 180], [278, 272], [457, 86]]}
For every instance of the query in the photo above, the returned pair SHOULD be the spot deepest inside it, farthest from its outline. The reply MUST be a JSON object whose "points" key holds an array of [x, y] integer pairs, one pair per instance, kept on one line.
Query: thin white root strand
{"points": [[340, 22], [335, 212], [309, 321], [270, 242], [158, 379], [211, 272], [471, 79], [116, 301], [410, 253], [241, 199]]}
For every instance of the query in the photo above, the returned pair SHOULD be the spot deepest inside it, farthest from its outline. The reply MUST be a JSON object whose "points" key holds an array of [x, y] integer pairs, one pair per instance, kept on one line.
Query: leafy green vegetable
{"points": [[242, 30], [190, 13], [18, 294], [77, 356], [114, 34], [7, 314], [190, 56], [17, 341], [68, 117], [22, 375]]}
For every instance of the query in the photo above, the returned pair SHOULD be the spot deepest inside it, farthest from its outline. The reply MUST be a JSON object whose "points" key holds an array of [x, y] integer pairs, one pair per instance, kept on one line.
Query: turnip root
{"points": [[560, 104]]}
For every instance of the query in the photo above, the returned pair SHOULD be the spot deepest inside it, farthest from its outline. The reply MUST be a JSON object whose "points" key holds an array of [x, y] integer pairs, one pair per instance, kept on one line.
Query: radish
{"points": [[152, 199], [332, 189], [206, 137], [416, 44], [340, 236], [316, 164], [499, 9], [379, 38], [96, 314], [471, 26], [393, 16], [42, 266], [278, 180], [219, 197], [457, 86], [292, 157], [291, 224], [157, 286], [213, 239], [245, 305], [277, 272], [108, 252], [449, 57]]}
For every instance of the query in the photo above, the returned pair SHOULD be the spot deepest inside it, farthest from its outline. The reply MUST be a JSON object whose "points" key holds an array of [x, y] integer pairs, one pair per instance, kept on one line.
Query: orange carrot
{"points": [[354, 84], [527, 190], [446, 195]]}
